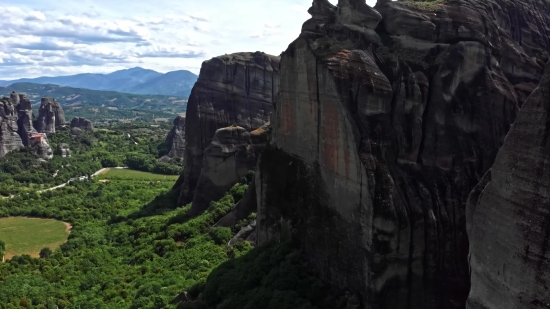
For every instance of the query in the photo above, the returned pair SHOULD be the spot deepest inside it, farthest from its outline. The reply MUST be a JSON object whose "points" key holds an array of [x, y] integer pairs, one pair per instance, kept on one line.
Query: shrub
{"points": [[45, 253], [221, 235]]}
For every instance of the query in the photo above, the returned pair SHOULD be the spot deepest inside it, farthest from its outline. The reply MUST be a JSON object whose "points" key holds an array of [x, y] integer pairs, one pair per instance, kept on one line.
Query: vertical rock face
{"points": [[9, 138], [228, 158], [175, 141], [236, 89], [509, 215], [385, 121], [79, 124], [50, 116], [63, 150], [25, 117], [83, 123]]}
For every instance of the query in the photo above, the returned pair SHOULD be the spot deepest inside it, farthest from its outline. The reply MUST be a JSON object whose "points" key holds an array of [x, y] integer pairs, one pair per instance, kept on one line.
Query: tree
{"points": [[2, 249], [45, 253]]}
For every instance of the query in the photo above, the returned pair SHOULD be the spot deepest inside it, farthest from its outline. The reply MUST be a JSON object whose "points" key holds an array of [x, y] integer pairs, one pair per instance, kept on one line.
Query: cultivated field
{"points": [[127, 174], [29, 235]]}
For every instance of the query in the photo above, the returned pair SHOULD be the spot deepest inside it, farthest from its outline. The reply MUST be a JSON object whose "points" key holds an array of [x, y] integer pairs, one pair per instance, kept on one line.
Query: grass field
{"points": [[134, 175], [29, 235]]}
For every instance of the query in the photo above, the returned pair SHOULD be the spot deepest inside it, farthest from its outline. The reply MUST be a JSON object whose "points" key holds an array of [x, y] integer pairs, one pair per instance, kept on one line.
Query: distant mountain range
{"points": [[136, 80], [112, 100]]}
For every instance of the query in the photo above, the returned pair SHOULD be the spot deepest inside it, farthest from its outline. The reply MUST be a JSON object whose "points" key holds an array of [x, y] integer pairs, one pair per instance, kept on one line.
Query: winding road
{"points": [[73, 179]]}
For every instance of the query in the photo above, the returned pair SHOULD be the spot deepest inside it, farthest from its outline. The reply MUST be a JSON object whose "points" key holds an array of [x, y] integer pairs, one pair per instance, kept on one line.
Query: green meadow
{"points": [[29, 235], [128, 174]]}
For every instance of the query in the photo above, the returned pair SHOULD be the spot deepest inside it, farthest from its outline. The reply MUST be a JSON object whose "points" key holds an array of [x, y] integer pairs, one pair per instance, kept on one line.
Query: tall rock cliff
{"points": [[175, 140], [508, 215], [9, 138], [79, 125], [24, 117], [50, 116], [232, 153], [386, 119], [235, 89]]}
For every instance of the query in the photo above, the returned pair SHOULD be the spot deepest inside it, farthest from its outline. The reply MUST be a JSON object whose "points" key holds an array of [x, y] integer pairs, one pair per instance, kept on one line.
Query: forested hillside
{"points": [[135, 145]]}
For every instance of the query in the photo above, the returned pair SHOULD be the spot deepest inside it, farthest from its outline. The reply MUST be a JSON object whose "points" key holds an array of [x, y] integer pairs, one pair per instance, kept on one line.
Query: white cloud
{"points": [[35, 16], [47, 37]]}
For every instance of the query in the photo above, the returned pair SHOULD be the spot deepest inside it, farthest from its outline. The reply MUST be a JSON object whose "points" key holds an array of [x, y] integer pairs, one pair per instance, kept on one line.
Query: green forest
{"points": [[130, 246], [136, 145]]}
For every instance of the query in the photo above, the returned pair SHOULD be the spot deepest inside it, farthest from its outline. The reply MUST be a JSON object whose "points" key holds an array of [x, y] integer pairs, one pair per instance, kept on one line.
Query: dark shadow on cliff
{"points": [[272, 276]]}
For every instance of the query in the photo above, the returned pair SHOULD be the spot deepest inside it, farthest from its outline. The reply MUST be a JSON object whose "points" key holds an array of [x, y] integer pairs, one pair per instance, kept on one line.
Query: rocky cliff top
{"points": [[234, 89], [50, 116], [249, 58], [386, 119]]}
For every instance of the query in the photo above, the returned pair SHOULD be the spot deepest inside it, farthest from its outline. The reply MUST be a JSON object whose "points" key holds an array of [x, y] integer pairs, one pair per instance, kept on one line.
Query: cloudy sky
{"points": [[49, 38]]}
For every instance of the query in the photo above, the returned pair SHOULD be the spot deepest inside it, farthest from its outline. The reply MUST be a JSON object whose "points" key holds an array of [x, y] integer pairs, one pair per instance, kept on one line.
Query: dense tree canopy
{"points": [[135, 145]]}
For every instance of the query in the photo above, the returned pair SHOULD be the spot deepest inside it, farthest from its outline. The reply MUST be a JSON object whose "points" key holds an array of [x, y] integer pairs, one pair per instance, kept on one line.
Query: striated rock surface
{"points": [[509, 215], [79, 124], [385, 121], [175, 141], [226, 161], [24, 117], [63, 150], [9, 138], [235, 89], [50, 116]]}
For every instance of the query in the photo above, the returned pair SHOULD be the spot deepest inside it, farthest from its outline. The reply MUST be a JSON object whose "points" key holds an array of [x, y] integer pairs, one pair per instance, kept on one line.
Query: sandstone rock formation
{"points": [[236, 89], [386, 119], [50, 116], [175, 141], [78, 125], [508, 215], [63, 150], [9, 138], [246, 233], [24, 117], [226, 161]]}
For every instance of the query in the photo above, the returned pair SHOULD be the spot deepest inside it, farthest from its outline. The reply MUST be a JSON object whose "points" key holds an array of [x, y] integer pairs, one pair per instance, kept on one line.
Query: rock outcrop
{"points": [[386, 119], [63, 150], [79, 125], [236, 89], [24, 117], [9, 138], [508, 215], [229, 157], [175, 140], [50, 116], [39, 143]]}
